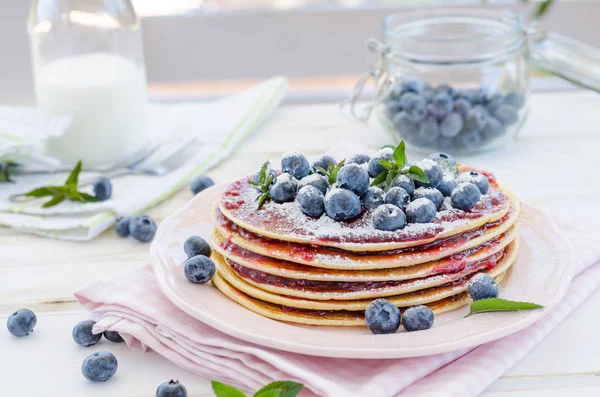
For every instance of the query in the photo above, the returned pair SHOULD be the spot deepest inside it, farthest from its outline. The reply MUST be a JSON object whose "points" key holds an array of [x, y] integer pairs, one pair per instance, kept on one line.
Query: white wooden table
{"points": [[41, 274]]}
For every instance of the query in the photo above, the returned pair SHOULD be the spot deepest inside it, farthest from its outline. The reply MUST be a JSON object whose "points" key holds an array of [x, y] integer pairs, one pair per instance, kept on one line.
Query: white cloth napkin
{"points": [[220, 126]]}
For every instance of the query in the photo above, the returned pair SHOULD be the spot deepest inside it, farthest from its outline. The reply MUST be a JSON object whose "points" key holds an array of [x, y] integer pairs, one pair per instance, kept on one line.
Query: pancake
{"points": [[332, 258], [324, 317], [277, 267], [324, 302], [285, 221]]}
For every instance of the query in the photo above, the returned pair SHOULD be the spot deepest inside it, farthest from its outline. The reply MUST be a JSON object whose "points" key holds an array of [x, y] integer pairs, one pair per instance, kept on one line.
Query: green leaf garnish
{"points": [[5, 172], [331, 171], [223, 390], [280, 388], [501, 305], [263, 185], [380, 178], [396, 167], [399, 156], [417, 174]]}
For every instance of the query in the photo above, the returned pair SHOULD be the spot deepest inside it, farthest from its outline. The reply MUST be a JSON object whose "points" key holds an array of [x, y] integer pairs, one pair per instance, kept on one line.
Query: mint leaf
{"points": [[501, 305], [74, 176], [543, 8], [263, 171], [59, 198], [334, 171], [380, 178], [323, 170], [42, 192], [261, 200], [265, 178], [399, 155], [391, 177], [280, 388], [417, 174], [5, 172], [386, 164], [223, 390], [252, 183]]}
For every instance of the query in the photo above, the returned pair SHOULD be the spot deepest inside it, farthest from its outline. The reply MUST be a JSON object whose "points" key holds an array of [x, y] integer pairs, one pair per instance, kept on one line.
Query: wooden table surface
{"points": [[41, 274]]}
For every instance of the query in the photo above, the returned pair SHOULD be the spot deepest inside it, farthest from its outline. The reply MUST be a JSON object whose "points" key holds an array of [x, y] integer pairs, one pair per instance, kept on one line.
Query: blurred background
{"points": [[201, 49]]}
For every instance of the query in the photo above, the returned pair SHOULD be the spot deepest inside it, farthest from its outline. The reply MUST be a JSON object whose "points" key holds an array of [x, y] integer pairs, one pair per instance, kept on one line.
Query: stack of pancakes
{"points": [[287, 266]]}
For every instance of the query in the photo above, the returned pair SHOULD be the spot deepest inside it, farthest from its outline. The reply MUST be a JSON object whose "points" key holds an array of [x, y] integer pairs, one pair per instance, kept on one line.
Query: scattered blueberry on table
{"points": [[417, 318], [482, 286], [99, 366], [199, 269], [142, 228], [382, 317], [195, 245], [201, 183], [103, 189], [113, 336], [21, 323], [83, 335], [122, 226], [171, 388]]}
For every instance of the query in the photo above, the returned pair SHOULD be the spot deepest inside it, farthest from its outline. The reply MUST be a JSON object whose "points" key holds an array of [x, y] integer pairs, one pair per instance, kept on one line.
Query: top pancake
{"points": [[286, 222]]}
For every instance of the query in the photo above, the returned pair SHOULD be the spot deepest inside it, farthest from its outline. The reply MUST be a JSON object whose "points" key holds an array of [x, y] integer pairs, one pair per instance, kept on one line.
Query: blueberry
{"points": [[493, 129], [315, 180], [388, 217], [462, 106], [476, 119], [446, 162], [428, 94], [430, 193], [142, 228], [417, 318], [432, 170], [451, 125], [122, 226], [507, 115], [482, 97], [415, 107], [354, 178], [113, 336], [421, 210], [412, 85], [392, 107], [21, 322], [199, 269], [441, 106], [468, 94], [482, 286], [323, 162], [201, 183], [494, 104], [171, 389], [428, 130], [405, 183], [382, 154], [514, 99], [373, 198], [311, 201], [358, 159], [403, 124], [465, 196], [295, 164], [284, 189], [99, 366], [447, 185], [476, 178], [382, 317], [468, 140], [195, 245], [102, 189], [408, 97], [342, 204], [446, 89], [398, 197], [83, 335]]}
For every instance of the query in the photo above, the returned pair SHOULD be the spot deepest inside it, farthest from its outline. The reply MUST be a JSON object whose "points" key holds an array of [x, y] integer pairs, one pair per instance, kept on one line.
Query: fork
{"points": [[177, 158]]}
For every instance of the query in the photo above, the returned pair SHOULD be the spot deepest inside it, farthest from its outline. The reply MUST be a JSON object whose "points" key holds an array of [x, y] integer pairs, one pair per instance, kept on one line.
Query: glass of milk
{"points": [[88, 63]]}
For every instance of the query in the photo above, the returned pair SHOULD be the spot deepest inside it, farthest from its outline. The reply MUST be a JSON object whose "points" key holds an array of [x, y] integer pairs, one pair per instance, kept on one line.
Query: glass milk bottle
{"points": [[88, 62]]}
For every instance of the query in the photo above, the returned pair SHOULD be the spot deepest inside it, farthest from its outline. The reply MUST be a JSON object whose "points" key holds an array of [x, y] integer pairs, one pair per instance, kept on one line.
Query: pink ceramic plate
{"points": [[541, 274]]}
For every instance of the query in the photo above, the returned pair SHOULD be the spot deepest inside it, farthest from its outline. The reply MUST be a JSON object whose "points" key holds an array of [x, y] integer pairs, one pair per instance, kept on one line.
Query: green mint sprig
{"points": [[331, 172], [500, 305], [5, 172], [263, 185], [396, 167], [276, 389], [66, 192]]}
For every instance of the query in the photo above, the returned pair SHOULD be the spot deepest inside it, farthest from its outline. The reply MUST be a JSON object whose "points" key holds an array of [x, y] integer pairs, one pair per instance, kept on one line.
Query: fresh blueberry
{"points": [[476, 119], [447, 185], [113, 336], [482, 286], [171, 388], [493, 129], [430, 193], [482, 97], [468, 94], [323, 162], [429, 94], [417, 318], [392, 107], [373, 198], [201, 183], [315, 180], [311, 201], [99, 366], [433, 172], [441, 106], [494, 103], [122, 226], [398, 197], [446, 89], [295, 164], [342, 204], [382, 154], [405, 183], [415, 107], [388, 217], [102, 189], [446, 162], [514, 99], [451, 125], [428, 130], [412, 85], [465, 196], [408, 97], [382, 317], [355, 178], [507, 115], [199, 269], [404, 125], [21, 322], [284, 189], [420, 211], [83, 335], [476, 178], [195, 245], [462, 106], [142, 228], [468, 140], [358, 159]]}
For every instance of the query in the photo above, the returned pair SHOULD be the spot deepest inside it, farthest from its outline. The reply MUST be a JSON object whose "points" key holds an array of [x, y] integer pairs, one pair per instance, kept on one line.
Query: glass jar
{"points": [[88, 63]]}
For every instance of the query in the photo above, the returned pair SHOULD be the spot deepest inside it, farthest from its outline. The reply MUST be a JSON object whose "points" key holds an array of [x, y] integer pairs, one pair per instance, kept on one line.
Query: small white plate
{"points": [[541, 274]]}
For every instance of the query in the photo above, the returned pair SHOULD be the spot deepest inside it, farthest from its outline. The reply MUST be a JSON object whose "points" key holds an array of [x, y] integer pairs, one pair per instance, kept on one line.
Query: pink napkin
{"points": [[134, 306]]}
